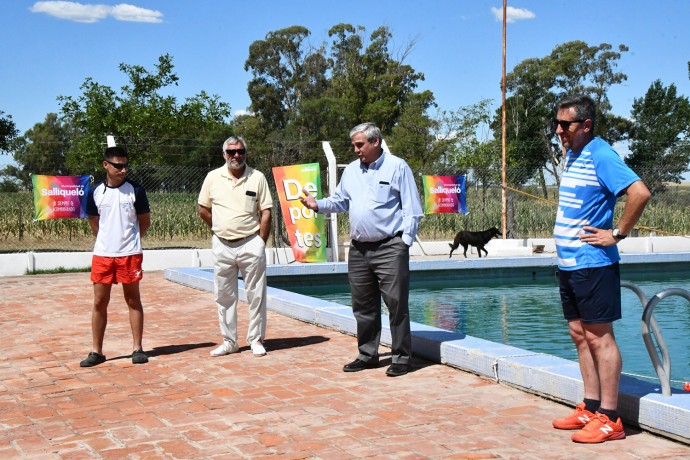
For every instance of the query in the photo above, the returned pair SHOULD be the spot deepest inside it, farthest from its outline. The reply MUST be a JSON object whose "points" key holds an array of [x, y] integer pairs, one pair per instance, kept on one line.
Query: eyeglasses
{"points": [[565, 124], [232, 152], [118, 166]]}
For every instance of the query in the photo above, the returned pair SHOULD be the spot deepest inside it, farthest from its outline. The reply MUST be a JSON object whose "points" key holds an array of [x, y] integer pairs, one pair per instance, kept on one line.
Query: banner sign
{"points": [[60, 197], [305, 227], [444, 194]]}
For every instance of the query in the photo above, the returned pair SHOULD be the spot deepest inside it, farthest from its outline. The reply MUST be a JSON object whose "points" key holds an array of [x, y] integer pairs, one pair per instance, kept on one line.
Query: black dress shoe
{"points": [[397, 369], [359, 365]]}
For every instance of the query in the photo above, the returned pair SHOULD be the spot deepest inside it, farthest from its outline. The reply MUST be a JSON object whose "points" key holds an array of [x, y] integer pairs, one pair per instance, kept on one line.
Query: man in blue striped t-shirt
{"points": [[593, 179]]}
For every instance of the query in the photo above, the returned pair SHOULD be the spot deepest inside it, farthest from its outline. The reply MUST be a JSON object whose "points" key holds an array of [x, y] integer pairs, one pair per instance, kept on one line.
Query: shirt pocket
{"points": [[250, 201], [382, 192]]}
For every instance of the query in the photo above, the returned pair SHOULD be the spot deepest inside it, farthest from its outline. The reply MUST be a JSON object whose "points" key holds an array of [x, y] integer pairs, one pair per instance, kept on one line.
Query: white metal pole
{"points": [[332, 182], [384, 146]]}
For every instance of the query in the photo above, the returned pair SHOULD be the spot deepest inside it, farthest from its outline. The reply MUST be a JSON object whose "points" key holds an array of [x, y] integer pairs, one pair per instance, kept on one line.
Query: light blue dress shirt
{"points": [[382, 200]]}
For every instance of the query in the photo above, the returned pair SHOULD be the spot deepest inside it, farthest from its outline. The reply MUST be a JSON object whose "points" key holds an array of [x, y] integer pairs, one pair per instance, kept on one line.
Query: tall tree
{"points": [[154, 127], [457, 146], [8, 132], [660, 142], [42, 150], [302, 94], [534, 87], [369, 83], [412, 136], [285, 71], [8, 138], [288, 78]]}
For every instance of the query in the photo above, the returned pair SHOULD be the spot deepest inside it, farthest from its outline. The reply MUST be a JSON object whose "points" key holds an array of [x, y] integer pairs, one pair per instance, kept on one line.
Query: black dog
{"points": [[476, 239]]}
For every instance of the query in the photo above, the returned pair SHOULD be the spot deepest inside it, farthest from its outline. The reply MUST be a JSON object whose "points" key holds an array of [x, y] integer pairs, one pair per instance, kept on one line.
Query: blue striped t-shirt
{"points": [[590, 184]]}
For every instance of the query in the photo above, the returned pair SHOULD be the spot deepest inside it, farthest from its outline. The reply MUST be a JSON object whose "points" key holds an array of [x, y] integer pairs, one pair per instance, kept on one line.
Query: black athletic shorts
{"points": [[591, 294]]}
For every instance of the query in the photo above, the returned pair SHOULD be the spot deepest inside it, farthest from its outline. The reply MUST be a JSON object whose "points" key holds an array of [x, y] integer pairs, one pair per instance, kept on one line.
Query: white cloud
{"points": [[125, 12], [512, 14], [239, 113], [79, 12], [72, 11]]}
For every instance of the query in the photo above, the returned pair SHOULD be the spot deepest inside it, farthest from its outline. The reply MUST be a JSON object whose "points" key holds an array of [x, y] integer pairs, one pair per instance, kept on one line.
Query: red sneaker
{"points": [[576, 420], [600, 429]]}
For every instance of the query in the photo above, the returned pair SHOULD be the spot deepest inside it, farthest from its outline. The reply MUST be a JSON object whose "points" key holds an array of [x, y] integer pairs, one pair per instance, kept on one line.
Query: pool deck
{"points": [[294, 403], [640, 402]]}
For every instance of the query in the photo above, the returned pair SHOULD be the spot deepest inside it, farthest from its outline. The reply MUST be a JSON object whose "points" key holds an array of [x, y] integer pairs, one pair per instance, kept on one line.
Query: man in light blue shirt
{"points": [[379, 193]]}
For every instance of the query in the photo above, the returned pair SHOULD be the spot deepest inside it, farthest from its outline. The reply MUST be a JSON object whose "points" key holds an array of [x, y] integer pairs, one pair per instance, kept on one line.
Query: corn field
{"points": [[175, 222]]}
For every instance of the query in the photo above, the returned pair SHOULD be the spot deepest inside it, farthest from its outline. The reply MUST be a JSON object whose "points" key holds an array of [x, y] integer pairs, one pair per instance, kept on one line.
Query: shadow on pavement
{"points": [[294, 342]]}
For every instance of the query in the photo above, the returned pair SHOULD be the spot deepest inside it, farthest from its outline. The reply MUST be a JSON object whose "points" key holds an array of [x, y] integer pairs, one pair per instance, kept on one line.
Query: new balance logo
{"points": [[606, 429], [584, 419]]}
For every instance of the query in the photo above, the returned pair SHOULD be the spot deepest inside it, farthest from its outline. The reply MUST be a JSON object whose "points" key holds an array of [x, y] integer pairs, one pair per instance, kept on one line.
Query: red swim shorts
{"points": [[113, 270]]}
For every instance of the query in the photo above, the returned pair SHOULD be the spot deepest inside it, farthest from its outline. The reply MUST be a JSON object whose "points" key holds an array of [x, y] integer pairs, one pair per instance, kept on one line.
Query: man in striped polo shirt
{"points": [[586, 238]]}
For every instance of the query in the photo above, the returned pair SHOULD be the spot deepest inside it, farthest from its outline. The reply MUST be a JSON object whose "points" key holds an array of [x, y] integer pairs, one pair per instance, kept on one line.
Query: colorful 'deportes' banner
{"points": [[304, 227], [60, 197], [444, 194]]}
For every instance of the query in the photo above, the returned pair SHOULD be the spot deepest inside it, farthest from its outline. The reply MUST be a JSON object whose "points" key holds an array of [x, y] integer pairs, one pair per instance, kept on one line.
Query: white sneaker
{"points": [[258, 348], [225, 349]]}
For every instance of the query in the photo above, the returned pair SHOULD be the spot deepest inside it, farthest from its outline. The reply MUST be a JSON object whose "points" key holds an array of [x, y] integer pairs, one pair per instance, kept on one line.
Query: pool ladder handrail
{"points": [[661, 366]]}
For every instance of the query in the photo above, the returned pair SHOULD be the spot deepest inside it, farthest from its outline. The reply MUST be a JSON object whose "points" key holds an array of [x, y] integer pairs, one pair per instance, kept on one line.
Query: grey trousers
{"points": [[377, 270]]}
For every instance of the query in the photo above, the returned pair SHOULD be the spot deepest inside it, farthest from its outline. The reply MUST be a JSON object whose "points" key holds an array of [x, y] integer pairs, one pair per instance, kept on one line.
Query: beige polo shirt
{"points": [[235, 207]]}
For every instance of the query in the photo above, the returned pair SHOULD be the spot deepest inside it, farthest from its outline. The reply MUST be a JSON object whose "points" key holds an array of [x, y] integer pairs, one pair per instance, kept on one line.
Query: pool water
{"points": [[527, 314]]}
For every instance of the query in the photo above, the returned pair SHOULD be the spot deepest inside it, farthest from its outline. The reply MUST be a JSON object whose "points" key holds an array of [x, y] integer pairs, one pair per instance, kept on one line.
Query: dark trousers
{"points": [[377, 270]]}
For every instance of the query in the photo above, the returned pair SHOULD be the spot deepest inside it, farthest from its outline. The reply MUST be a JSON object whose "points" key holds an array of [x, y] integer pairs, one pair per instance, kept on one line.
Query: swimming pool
{"points": [[521, 307]]}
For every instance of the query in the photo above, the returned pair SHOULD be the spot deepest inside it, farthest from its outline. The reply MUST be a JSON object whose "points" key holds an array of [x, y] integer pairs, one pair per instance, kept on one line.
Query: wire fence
{"points": [[175, 223]]}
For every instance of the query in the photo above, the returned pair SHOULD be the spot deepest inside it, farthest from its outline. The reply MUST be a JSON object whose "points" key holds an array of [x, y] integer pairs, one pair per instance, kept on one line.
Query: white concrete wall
{"points": [[159, 259], [19, 264]]}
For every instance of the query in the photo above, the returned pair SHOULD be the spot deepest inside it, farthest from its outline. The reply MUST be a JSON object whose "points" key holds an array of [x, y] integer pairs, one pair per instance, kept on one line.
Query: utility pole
{"points": [[504, 201]]}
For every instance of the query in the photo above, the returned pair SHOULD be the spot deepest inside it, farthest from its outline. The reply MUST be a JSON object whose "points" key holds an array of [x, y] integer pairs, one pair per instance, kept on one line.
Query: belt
{"points": [[236, 240], [385, 240]]}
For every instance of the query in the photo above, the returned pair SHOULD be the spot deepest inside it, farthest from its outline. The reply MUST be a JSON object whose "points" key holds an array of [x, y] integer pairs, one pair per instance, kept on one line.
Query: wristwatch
{"points": [[618, 235]]}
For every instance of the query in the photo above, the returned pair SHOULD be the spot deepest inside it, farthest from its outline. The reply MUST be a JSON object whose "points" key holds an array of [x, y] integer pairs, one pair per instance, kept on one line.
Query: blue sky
{"points": [[51, 47]]}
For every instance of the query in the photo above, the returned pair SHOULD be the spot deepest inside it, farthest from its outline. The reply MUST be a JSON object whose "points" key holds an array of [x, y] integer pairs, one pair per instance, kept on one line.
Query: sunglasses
{"points": [[232, 152], [565, 124], [118, 166]]}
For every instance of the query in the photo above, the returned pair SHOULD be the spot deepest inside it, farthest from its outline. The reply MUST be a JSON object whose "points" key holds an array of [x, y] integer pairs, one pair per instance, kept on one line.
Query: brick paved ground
{"points": [[294, 403]]}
